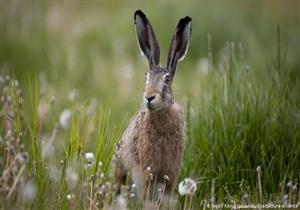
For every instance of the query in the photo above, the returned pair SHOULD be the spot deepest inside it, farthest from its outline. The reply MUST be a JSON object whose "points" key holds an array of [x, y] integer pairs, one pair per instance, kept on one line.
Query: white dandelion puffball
{"points": [[89, 156], [187, 187], [64, 118], [73, 94]]}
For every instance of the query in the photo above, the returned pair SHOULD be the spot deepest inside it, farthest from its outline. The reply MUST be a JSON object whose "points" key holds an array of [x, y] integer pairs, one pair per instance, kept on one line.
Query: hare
{"points": [[153, 140]]}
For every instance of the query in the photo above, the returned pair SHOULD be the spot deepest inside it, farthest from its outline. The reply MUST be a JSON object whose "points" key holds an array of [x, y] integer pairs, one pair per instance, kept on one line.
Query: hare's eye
{"points": [[167, 79]]}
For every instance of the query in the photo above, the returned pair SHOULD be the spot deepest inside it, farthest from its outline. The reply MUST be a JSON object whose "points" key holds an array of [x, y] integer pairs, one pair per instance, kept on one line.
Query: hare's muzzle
{"points": [[149, 102], [149, 99]]}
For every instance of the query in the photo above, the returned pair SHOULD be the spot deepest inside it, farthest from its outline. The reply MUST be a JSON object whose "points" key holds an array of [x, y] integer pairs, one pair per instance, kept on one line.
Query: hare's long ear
{"points": [[146, 38], [179, 43]]}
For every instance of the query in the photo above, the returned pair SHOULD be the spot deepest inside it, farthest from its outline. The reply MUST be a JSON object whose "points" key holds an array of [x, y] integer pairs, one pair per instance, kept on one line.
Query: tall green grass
{"points": [[239, 86]]}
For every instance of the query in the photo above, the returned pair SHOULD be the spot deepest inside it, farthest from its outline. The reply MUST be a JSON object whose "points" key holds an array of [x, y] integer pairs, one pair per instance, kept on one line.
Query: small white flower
{"points": [[72, 177], [258, 169], [29, 190], [121, 202], [48, 149], [89, 156], [72, 95], [64, 118], [70, 196], [187, 187], [294, 189], [203, 65]]}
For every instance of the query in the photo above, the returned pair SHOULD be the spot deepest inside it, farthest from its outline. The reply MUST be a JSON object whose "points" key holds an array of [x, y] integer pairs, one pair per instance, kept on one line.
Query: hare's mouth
{"points": [[150, 106]]}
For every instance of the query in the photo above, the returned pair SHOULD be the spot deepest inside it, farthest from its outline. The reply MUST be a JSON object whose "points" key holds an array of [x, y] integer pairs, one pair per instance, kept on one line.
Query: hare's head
{"points": [[158, 88]]}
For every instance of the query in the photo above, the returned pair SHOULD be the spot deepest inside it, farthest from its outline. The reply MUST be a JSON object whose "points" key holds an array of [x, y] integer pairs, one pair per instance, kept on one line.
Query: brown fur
{"points": [[154, 138]]}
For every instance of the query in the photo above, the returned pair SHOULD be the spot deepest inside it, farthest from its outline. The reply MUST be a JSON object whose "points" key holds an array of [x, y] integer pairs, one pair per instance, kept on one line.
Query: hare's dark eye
{"points": [[167, 79]]}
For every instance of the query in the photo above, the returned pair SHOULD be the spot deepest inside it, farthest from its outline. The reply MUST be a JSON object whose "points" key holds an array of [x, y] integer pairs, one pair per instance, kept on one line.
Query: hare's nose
{"points": [[149, 99]]}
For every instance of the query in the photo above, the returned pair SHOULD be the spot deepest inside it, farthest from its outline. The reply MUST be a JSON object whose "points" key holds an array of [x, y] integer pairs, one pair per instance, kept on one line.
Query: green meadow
{"points": [[72, 77]]}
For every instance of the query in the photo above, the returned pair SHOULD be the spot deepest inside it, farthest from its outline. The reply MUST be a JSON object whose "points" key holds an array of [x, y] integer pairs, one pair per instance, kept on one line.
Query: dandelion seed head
{"points": [[70, 196], [64, 118], [121, 202], [48, 149], [258, 169], [53, 173], [289, 184], [89, 156], [73, 94], [203, 65], [187, 187], [29, 191], [72, 177], [148, 168], [294, 189], [285, 197]]}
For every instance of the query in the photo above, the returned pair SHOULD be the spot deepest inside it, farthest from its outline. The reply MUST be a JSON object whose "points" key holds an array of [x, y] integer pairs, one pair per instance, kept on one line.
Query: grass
{"points": [[241, 100]]}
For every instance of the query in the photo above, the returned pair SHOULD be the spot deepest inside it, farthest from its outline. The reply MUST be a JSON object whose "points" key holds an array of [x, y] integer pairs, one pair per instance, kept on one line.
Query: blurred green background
{"points": [[239, 83], [91, 46]]}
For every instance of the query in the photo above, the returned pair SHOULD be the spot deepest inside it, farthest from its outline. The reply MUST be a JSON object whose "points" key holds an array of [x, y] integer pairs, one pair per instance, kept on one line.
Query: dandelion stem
{"points": [[190, 202], [185, 202], [91, 195], [161, 196]]}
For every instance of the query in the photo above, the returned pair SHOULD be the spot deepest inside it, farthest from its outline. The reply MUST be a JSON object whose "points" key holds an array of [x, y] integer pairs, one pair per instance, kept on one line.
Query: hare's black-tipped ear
{"points": [[146, 38], [179, 43]]}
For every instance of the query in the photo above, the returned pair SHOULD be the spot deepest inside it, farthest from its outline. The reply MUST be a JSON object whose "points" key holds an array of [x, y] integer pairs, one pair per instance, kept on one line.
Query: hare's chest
{"points": [[160, 145]]}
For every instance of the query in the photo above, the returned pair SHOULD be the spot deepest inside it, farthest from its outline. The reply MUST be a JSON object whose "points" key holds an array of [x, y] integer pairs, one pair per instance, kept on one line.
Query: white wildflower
{"points": [[48, 149], [121, 202], [258, 169], [53, 173], [187, 187], [73, 94], [203, 65], [72, 177], [70, 196], [294, 189], [89, 156], [64, 118], [29, 191]]}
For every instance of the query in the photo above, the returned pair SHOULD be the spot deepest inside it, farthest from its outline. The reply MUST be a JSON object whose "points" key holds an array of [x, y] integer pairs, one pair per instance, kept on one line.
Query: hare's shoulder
{"points": [[131, 132], [177, 114]]}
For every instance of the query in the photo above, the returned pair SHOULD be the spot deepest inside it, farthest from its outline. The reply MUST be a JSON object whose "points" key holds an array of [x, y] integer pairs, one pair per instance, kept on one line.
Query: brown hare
{"points": [[153, 141]]}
